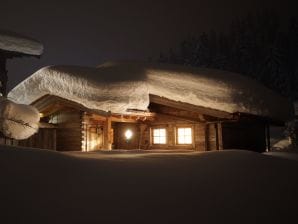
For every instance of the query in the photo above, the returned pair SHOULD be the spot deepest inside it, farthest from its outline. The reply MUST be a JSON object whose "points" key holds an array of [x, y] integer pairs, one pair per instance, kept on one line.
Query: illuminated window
{"points": [[159, 136], [184, 135]]}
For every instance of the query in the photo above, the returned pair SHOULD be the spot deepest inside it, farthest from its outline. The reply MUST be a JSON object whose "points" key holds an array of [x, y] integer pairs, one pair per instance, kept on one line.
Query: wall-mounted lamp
{"points": [[128, 134]]}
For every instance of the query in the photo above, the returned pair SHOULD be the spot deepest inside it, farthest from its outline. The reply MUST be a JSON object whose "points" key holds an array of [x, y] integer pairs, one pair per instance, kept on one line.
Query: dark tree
{"points": [[255, 46]]}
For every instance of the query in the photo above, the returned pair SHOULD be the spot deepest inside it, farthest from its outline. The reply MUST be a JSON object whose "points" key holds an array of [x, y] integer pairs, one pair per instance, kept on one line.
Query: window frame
{"points": [[177, 136], [152, 135]]}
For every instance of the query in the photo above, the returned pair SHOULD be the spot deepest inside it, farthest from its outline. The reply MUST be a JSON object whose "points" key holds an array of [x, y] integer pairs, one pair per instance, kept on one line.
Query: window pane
{"points": [[187, 139], [162, 140], [180, 139], [159, 136], [187, 131], [180, 131], [184, 136]]}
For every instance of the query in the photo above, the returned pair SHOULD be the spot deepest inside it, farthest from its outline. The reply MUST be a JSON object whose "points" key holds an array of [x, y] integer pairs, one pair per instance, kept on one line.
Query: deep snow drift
{"points": [[10, 41], [40, 186], [118, 86]]}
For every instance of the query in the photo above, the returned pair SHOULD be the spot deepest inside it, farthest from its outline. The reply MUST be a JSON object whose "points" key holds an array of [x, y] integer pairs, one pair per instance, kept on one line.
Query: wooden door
{"points": [[94, 137]]}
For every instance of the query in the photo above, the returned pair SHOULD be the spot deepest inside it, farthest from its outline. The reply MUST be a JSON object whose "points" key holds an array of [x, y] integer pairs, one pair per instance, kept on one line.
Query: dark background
{"points": [[91, 32]]}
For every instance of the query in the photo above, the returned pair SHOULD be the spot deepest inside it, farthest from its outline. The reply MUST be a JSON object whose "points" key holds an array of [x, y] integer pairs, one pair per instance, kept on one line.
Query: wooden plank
{"points": [[48, 101], [267, 128], [172, 117], [216, 136], [189, 107], [2, 140], [220, 141], [46, 125], [54, 146], [62, 133], [73, 126], [107, 133], [123, 120]]}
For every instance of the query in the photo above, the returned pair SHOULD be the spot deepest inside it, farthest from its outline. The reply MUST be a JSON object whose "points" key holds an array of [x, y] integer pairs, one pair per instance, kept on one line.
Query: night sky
{"points": [[90, 32]]}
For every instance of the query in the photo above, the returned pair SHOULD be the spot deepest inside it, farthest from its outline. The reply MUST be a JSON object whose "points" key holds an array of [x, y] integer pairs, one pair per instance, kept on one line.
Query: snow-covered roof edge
{"points": [[248, 95], [118, 86], [13, 42]]}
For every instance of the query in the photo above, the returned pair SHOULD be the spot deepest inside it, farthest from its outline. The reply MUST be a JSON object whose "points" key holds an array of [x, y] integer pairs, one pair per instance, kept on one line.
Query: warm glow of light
{"points": [[92, 145], [184, 136], [128, 134], [159, 136], [41, 114]]}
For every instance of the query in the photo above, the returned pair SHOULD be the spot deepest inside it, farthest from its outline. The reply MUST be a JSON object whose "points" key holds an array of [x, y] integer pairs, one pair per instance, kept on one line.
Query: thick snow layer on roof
{"points": [[13, 42], [117, 87]]}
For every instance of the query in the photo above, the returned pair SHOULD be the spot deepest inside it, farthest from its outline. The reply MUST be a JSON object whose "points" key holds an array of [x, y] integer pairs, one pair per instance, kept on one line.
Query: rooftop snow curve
{"points": [[118, 86]]}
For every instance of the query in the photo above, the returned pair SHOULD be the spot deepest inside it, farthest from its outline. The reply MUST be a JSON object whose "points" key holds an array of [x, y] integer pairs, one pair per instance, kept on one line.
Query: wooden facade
{"points": [[76, 128]]}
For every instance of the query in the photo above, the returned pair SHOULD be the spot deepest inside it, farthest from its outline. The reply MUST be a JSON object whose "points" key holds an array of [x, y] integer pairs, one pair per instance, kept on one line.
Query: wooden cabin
{"points": [[90, 111], [168, 125]]}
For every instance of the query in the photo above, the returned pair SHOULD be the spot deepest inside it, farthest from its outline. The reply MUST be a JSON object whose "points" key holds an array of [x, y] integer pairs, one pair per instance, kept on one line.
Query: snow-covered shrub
{"points": [[18, 121]]}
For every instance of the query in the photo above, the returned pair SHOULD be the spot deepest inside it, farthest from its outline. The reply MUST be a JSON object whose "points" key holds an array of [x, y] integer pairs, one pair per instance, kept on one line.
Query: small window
{"points": [[159, 136], [184, 135]]}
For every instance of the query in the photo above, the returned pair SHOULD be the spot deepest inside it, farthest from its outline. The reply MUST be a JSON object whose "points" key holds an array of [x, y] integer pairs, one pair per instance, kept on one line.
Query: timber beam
{"points": [[189, 107]]}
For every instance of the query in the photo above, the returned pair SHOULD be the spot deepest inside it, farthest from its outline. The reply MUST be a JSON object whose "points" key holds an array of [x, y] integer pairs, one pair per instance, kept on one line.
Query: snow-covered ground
{"points": [[290, 154], [40, 186]]}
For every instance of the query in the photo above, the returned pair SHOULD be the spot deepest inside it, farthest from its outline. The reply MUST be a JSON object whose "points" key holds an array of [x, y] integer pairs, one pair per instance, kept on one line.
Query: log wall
{"points": [[45, 138], [142, 134], [199, 136], [7, 141], [69, 129]]}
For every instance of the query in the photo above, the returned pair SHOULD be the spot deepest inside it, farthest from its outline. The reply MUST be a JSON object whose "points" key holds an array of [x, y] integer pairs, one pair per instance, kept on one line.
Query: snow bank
{"points": [[118, 86], [282, 144], [18, 121], [41, 186], [10, 41], [291, 154]]}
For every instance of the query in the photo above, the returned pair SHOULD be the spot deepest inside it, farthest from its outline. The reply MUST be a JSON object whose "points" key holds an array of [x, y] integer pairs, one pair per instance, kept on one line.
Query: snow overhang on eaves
{"points": [[14, 44], [117, 87]]}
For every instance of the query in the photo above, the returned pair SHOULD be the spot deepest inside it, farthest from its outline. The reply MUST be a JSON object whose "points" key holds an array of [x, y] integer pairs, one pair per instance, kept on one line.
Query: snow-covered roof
{"points": [[118, 86], [10, 41]]}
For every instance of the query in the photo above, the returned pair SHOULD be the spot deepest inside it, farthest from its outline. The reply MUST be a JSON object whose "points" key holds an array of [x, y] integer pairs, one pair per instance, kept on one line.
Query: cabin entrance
{"points": [[94, 138], [126, 135]]}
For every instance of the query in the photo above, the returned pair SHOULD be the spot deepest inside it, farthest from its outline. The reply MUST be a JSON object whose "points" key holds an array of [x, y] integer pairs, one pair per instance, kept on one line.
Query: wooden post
{"points": [[219, 136], [142, 128], [267, 127], [206, 129], [107, 133], [216, 136], [3, 75]]}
